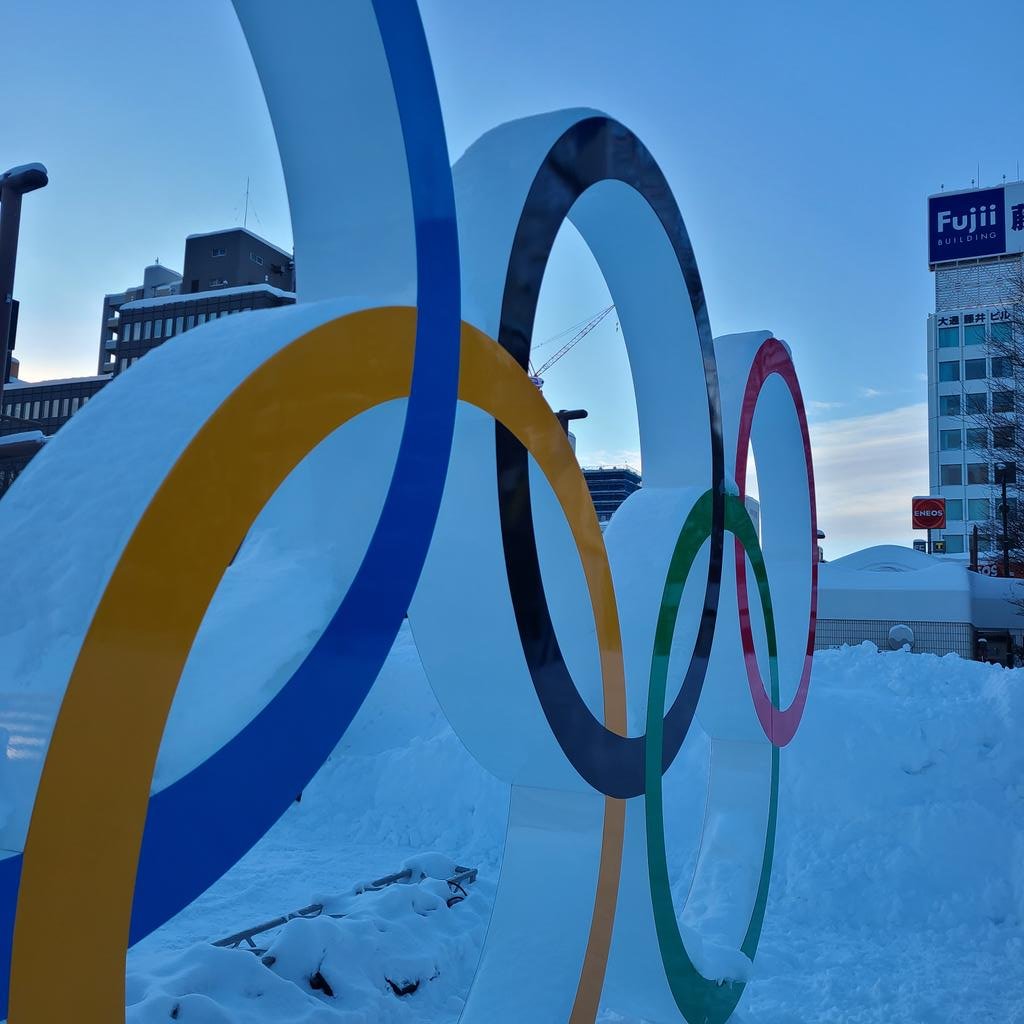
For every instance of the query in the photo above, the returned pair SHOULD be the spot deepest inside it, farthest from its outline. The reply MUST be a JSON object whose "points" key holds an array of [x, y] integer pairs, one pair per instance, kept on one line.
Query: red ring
{"points": [[779, 726]]}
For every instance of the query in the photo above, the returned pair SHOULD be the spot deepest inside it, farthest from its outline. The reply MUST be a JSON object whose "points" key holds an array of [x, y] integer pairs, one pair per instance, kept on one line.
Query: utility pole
{"points": [[1005, 470], [13, 185]]}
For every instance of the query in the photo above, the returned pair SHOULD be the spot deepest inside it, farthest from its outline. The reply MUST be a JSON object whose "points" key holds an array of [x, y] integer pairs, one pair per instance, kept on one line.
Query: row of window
{"points": [[974, 369], [974, 334], [977, 473], [957, 543], [975, 404], [167, 327], [45, 408], [979, 510], [977, 437]]}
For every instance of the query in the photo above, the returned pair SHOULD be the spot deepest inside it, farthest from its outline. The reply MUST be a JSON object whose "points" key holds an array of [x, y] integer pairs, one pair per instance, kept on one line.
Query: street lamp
{"points": [[1006, 473], [13, 185]]}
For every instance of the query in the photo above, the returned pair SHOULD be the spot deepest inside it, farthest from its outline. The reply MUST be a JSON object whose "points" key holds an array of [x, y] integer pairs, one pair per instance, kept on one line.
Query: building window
{"points": [[64, 407], [977, 403], [217, 253], [1001, 334], [974, 369], [1001, 367], [74, 405], [17, 410], [137, 330], [190, 321], [952, 474], [955, 509], [1002, 401], [949, 440], [179, 325], [35, 410], [218, 282], [147, 330], [1002, 437], [954, 543], [949, 337], [974, 334], [202, 318], [46, 409], [256, 258], [169, 326], [158, 329], [949, 405], [978, 510], [977, 437], [949, 370], [977, 472]]}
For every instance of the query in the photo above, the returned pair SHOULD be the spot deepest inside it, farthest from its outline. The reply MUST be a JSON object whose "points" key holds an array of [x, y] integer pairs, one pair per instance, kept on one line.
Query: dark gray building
{"points": [[225, 272], [609, 487], [157, 281], [33, 412], [228, 259]]}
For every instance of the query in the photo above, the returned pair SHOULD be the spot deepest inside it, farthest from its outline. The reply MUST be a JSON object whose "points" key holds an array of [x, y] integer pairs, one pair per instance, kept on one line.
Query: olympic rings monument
{"points": [[581, 661]]}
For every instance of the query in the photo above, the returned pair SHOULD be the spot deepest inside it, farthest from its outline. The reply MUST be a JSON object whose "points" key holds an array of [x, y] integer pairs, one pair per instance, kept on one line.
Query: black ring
{"points": [[593, 150]]}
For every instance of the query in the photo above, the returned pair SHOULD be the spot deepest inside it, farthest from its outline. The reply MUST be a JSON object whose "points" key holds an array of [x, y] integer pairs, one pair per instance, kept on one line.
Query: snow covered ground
{"points": [[897, 895]]}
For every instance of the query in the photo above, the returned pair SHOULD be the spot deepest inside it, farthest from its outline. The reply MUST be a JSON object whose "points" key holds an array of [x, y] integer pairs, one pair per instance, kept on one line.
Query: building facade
{"points": [[975, 243], [30, 413], [224, 272], [609, 487]]}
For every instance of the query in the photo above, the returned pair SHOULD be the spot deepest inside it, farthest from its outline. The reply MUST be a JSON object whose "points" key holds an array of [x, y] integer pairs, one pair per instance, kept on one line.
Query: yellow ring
{"points": [[100, 763]]}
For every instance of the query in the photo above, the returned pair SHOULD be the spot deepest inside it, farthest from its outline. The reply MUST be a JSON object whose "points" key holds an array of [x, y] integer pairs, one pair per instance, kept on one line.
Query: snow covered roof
{"points": [[12, 385], [242, 289], [890, 582]]}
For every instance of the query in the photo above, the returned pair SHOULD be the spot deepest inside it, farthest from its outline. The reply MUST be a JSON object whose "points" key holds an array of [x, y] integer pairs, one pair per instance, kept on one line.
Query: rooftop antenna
{"points": [[245, 216]]}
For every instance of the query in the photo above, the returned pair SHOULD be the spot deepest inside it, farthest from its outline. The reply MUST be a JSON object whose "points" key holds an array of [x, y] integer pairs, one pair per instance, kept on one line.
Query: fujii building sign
{"points": [[980, 222]]}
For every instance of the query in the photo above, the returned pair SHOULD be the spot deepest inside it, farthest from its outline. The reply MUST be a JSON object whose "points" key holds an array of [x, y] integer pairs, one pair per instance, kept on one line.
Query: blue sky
{"points": [[801, 140]]}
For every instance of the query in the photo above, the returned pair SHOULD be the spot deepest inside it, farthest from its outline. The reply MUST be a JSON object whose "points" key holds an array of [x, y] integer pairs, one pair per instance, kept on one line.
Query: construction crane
{"points": [[580, 329]]}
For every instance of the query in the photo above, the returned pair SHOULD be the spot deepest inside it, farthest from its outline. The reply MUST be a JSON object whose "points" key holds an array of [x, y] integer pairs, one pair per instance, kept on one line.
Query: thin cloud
{"points": [[871, 393], [866, 470], [609, 457], [816, 406]]}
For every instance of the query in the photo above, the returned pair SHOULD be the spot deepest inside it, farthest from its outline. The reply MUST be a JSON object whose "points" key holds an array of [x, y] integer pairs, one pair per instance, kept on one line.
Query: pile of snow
{"points": [[897, 894]]}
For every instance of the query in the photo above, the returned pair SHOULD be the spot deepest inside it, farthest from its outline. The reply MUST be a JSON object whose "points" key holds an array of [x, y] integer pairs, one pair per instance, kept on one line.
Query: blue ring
{"points": [[217, 800]]}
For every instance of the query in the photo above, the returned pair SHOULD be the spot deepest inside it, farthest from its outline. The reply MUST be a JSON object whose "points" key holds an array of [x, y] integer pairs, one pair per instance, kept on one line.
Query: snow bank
{"points": [[897, 895]]}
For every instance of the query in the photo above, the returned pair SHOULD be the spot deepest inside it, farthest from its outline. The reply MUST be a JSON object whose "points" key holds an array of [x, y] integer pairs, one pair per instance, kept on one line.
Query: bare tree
{"points": [[994, 422]]}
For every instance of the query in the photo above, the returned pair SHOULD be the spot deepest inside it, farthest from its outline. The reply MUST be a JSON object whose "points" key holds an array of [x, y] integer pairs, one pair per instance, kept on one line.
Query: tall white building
{"points": [[976, 239]]}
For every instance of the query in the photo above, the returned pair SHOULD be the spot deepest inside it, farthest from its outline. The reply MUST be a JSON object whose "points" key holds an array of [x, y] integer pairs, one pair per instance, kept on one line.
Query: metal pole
{"points": [[1006, 536], [10, 221], [13, 185]]}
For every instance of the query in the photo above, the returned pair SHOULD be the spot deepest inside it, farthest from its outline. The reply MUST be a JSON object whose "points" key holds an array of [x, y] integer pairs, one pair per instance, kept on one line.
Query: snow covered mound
{"points": [[897, 895]]}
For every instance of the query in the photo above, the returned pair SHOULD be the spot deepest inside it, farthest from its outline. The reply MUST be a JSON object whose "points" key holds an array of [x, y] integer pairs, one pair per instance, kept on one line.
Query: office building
{"points": [[976, 238], [609, 487], [224, 272]]}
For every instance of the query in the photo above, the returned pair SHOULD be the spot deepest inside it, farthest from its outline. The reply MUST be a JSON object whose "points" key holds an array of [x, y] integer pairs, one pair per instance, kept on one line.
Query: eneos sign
{"points": [[928, 512]]}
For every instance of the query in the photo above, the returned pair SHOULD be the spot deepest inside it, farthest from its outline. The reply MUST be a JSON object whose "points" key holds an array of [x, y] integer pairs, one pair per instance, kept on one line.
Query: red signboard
{"points": [[928, 512]]}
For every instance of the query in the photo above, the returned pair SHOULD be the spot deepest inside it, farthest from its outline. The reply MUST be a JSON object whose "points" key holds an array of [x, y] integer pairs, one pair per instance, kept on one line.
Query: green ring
{"points": [[701, 1000]]}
